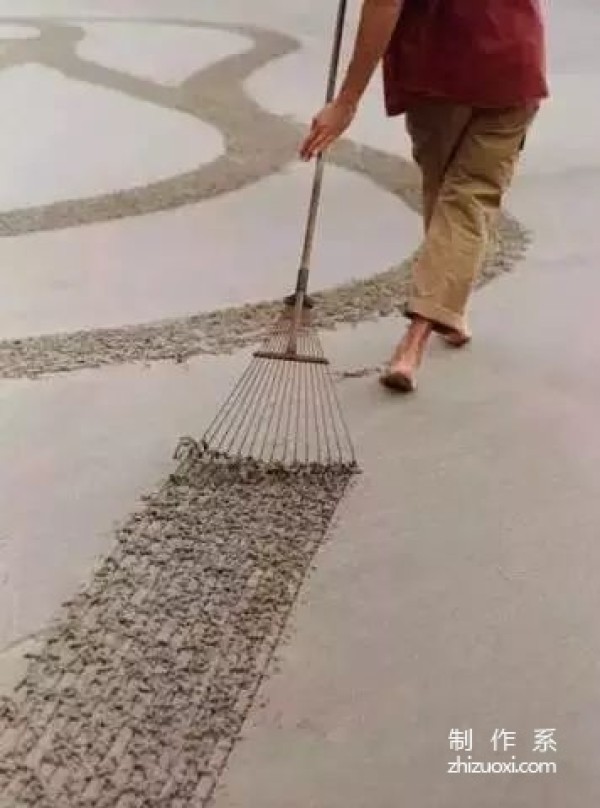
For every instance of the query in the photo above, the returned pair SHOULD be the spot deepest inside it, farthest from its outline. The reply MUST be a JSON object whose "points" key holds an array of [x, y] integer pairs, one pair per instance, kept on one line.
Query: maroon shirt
{"points": [[483, 53]]}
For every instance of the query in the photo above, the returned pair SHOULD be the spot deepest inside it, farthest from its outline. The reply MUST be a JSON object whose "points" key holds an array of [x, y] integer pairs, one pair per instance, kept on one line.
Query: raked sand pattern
{"points": [[142, 686], [258, 145]]}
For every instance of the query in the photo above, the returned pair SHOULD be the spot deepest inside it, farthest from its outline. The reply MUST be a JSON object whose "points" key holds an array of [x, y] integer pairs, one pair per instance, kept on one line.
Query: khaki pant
{"points": [[467, 159]]}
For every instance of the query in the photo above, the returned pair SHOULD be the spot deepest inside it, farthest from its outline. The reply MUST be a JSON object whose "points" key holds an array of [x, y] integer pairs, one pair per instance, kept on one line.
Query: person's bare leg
{"points": [[402, 370], [436, 138]]}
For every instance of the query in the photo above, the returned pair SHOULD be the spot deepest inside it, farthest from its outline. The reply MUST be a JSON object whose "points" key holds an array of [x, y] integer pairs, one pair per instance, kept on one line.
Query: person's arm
{"points": [[377, 23]]}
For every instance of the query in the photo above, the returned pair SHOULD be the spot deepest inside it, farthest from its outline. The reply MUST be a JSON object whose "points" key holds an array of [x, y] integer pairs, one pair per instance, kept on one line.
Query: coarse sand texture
{"points": [[143, 684]]}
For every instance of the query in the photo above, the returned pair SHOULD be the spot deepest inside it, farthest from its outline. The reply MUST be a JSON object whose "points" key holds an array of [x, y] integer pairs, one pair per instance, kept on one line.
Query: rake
{"points": [[285, 408]]}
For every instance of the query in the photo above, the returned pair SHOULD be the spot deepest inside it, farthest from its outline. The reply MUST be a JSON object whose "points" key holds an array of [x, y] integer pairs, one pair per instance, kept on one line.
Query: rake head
{"points": [[284, 409]]}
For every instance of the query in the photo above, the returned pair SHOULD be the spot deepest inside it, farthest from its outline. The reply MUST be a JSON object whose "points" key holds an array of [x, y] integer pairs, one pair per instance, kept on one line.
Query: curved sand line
{"points": [[216, 96]]}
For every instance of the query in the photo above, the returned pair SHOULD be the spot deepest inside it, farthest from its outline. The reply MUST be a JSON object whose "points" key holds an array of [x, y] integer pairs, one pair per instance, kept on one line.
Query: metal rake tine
{"points": [[280, 416], [263, 448], [298, 418], [223, 412], [261, 414], [238, 436], [242, 415], [332, 415], [315, 409], [306, 420], [295, 374], [321, 385], [332, 392]]}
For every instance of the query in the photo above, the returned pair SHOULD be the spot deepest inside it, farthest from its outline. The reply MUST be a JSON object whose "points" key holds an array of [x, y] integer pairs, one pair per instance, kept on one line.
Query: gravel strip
{"points": [[143, 684], [227, 330]]}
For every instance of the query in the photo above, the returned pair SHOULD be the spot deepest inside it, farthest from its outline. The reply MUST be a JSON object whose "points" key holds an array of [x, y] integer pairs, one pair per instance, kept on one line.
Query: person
{"points": [[469, 76]]}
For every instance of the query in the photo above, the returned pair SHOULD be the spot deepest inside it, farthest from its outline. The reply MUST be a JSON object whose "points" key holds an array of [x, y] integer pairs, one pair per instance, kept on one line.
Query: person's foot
{"points": [[400, 375], [400, 379], [457, 339]]}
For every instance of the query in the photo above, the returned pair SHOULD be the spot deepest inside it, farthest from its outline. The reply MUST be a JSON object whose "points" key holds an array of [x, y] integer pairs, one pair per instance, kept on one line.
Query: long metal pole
{"points": [[317, 186], [320, 165]]}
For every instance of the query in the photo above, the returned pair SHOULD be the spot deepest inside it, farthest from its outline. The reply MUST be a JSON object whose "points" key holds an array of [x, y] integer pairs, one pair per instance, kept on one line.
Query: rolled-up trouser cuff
{"points": [[442, 320]]}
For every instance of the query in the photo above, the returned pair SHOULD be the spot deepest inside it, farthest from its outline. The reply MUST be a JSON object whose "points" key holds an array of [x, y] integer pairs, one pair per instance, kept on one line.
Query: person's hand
{"points": [[327, 126]]}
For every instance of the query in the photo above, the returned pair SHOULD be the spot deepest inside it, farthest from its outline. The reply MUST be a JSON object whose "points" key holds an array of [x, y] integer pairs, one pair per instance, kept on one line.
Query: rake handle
{"points": [[317, 186]]}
